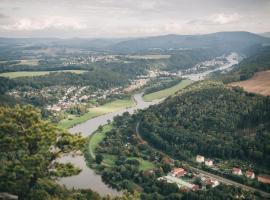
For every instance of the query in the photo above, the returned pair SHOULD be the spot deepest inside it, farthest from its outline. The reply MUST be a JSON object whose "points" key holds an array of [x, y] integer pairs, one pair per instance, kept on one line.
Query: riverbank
{"points": [[167, 92], [97, 111]]}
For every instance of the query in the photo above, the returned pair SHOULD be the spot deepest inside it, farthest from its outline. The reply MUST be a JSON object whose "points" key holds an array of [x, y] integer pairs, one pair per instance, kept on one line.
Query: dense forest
{"points": [[210, 119]]}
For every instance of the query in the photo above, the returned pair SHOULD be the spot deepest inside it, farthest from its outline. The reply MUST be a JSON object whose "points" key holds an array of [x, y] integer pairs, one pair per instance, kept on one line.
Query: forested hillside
{"points": [[208, 118]]}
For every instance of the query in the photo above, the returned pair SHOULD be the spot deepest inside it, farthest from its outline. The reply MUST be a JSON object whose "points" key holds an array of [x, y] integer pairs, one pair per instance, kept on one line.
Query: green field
{"points": [[97, 137], [35, 73], [150, 57], [144, 164], [166, 92], [97, 111]]}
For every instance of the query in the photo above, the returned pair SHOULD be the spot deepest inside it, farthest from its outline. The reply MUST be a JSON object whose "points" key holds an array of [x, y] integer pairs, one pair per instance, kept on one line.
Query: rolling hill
{"points": [[227, 41]]}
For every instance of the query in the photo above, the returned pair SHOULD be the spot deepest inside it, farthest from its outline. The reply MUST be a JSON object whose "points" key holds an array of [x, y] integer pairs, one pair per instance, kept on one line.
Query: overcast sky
{"points": [[130, 18]]}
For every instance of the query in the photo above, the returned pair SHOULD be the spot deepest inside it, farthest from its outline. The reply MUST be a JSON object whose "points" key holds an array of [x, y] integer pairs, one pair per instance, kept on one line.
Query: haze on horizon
{"points": [[129, 18]]}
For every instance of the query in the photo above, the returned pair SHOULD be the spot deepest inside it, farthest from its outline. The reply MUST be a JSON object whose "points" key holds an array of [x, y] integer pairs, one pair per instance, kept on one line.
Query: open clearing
{"points": [[97, 111], [35, 73], [259, 83], [167, 92]]}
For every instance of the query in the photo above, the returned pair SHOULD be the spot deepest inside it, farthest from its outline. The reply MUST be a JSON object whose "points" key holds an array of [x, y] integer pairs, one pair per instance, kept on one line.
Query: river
{"points": [[88, 178]]}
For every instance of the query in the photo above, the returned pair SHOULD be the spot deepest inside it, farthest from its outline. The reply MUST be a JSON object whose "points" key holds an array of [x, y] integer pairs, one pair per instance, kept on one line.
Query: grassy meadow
{"points": [[97, 111], [167, 92]]}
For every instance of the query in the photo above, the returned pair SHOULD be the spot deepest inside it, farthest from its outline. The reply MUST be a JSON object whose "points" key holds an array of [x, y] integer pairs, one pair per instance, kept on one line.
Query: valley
{"points": [[158, 117]]}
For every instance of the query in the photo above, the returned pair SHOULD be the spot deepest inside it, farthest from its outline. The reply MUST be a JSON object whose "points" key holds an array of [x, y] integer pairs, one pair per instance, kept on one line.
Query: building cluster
{"points": [[182, 179], [207, 162], [236, 170], [89, 59], [77, 95], [263, 178]]}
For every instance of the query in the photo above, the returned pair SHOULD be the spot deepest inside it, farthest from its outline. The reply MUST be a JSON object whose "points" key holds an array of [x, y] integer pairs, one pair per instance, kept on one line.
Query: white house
{"points": [[208, 162], [250, 174], [199, 159]]}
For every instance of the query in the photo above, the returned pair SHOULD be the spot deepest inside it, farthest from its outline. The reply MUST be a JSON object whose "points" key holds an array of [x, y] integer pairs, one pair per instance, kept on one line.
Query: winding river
{"points": [[88, 178]]}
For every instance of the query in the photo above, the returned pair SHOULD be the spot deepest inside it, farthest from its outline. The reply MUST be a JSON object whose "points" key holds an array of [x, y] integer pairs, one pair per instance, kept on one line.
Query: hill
{"points": [[227, 41], [209, 119]]}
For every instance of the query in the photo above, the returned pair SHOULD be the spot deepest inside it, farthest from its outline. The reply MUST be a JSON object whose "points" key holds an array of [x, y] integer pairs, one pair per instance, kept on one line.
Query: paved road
{"points": [[219, 178], [230, 182]]}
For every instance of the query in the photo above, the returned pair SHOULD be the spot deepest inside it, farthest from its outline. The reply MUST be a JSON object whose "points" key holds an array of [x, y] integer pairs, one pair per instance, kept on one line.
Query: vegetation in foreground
{"points": [[166, 92], [97, 111], [29, 166], [26, 150]]}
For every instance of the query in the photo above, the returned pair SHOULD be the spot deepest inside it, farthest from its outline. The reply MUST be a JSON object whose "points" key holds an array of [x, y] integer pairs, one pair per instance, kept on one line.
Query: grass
{"points": [[97, 111], [31, 62], [167, 92], [35, 73], [150, 57], [97, 137], [144, 164]]}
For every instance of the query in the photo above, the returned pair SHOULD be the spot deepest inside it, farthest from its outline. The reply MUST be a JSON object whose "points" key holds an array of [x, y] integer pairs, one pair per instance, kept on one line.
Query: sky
{"points": [[130, 18]]}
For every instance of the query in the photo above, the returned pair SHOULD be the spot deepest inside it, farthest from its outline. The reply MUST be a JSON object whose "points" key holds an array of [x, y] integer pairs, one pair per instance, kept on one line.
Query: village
{"points": [[84, 60], [188, 179]]}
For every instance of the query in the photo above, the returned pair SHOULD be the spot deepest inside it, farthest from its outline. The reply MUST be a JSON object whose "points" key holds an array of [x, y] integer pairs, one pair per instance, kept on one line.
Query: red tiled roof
{"points": [[236, 169], [250, 173]]}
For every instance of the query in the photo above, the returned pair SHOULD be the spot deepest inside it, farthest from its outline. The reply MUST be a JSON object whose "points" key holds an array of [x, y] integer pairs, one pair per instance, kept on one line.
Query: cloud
{"points": [[2, 16], [217, 19], [41, 23]]}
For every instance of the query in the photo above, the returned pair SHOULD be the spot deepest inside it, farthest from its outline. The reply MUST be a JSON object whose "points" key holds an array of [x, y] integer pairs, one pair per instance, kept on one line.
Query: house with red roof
{"points": [[237, 171], [263, 178], [250, 174], [178, 172]]}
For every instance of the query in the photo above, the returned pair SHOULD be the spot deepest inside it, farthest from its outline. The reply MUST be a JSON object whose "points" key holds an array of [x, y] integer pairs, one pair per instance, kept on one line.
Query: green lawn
{"points": [[97, 137], [144, 164], [97, 111], [166, 92], [35, 73]]}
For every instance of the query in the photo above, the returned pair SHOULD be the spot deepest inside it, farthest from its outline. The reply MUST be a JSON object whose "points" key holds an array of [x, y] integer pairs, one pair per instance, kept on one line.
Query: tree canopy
{"points": [[30, 148]]}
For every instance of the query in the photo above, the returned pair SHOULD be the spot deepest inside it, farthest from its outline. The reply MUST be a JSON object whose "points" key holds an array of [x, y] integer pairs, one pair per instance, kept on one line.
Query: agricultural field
{"points": [[149, 57], [30, 62], [166, 92], [35, 73], [259, 83], [97, 111]]}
